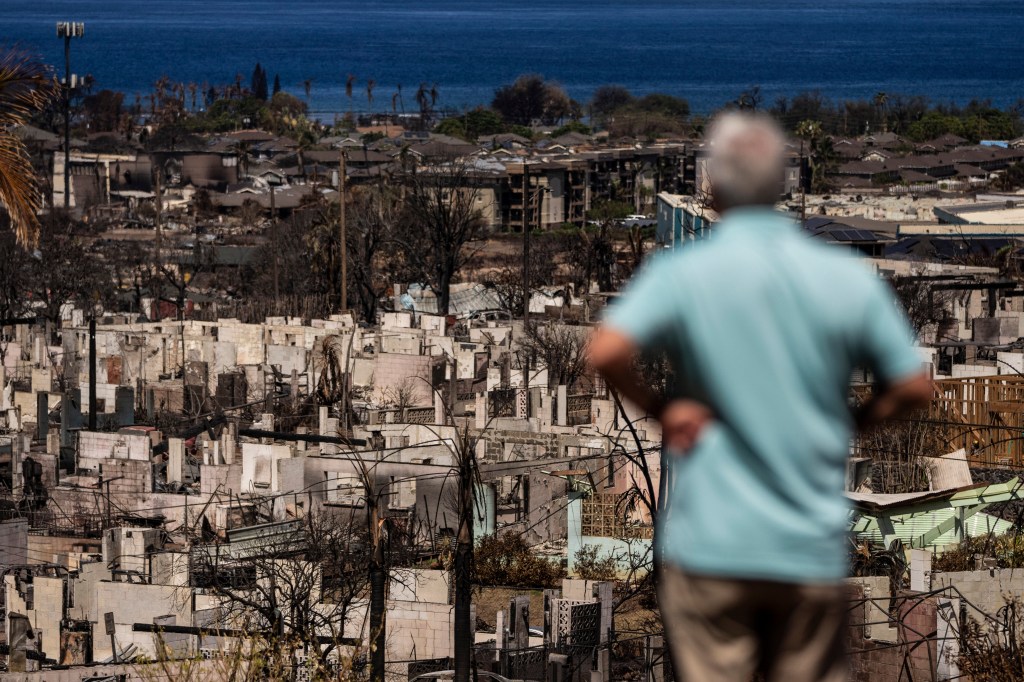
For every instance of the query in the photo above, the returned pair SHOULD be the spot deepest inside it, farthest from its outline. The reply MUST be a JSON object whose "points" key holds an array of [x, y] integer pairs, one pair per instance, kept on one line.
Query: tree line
{"points": [[179, 110]]}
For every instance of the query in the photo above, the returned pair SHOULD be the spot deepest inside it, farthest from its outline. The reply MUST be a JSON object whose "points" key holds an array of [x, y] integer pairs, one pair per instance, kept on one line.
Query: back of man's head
{"points": [[746, 163]]}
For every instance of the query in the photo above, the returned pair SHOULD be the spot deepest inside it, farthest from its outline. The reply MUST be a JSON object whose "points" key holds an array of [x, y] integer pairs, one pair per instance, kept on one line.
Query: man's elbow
{"points": [[608, 351], [915, 393], [599, 359]]}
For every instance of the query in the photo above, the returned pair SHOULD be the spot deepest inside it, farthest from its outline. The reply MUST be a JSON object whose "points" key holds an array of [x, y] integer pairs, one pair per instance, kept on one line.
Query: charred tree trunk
{"points": [[444, 292], [463, 597], [378, 584]]}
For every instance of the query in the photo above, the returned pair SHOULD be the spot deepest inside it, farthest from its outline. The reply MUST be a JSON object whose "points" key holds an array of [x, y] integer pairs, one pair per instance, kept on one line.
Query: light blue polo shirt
{"points": [[765, 326]]}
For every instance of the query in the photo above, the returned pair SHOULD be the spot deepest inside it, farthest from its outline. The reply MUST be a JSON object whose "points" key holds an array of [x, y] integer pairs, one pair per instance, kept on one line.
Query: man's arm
{"points": [[887, 344], [895, 400], [612, 354]]}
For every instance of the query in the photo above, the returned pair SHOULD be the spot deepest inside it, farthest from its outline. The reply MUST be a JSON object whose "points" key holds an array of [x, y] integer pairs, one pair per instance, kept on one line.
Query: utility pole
{"points": [[378, 582], [157, 223], [464, 562], [273, 233], [527, 224], [803, 187], [68, 30], [92, 371], [105, 486], [343, 235], [526, 244]]}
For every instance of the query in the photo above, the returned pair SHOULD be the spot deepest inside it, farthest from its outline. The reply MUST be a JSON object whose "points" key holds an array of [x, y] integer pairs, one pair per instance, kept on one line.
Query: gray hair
{"points": [[747, 161]]}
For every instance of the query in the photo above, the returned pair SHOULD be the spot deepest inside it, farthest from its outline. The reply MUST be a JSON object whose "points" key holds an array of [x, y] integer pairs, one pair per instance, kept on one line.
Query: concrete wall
{"points": [[419, 630], [260, 468], [988, 589], [95, 447], [421, 585], [47, 601], [410, 374], [58, 549], [629, 554], [135, 603], [14, 543], [881, 661], [877, 590]]}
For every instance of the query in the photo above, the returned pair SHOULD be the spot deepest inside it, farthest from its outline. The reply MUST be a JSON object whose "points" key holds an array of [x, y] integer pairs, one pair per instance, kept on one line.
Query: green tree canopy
{"points": [[610, 98], [531, 98]]}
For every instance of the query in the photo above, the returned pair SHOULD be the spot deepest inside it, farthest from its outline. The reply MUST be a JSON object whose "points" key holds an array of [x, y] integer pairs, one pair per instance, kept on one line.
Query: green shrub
{"points": [[506, 560]]}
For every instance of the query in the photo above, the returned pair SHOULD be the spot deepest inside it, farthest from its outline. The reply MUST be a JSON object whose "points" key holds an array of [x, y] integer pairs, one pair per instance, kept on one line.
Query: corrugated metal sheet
{"points": [[909, 527], [466, 299]]}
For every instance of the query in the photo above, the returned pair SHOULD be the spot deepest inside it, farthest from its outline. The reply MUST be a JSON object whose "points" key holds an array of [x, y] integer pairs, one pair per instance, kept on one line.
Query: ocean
{"points": [[706, 51]]}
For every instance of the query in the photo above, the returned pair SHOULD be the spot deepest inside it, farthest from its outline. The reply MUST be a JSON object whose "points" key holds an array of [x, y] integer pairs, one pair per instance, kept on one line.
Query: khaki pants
{"points": [[722, 630]]}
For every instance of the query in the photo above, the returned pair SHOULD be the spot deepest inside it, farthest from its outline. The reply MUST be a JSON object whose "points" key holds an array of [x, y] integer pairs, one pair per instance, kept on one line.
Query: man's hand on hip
{"points": [[682, 422]]}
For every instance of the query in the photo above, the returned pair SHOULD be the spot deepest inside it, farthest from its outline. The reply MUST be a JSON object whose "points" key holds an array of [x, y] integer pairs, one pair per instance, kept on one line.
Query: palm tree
{"points": [[423, 100], [242, 148], [370, 84], [25, 87], [880, 100], [307, 85], [305, 139], [350, 80], [822, 155]]}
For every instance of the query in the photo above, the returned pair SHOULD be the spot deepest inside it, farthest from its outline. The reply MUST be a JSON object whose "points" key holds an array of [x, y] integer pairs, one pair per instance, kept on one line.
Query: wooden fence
{"points": [[984, 415]]}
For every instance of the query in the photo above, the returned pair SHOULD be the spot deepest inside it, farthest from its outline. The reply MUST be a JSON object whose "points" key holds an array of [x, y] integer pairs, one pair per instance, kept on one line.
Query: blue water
{"points": [[705, 50]]}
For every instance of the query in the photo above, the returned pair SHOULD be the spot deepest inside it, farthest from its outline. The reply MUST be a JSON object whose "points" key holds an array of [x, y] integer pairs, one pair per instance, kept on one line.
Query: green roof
{"points": [[909, 527]]}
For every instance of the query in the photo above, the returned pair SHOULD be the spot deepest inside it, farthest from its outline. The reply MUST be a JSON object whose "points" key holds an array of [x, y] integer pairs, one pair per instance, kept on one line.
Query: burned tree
{"points": [[597, 245], [62, 271], [374, 216], [921, 304], [294, 589], [545, 254], [442, 218], [562, 349], [180, 270], [13, 284]]}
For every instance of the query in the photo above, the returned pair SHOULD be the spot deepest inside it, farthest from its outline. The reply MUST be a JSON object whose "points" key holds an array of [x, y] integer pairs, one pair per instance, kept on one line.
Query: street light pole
{"points": [[526, 245], [68, 30]]}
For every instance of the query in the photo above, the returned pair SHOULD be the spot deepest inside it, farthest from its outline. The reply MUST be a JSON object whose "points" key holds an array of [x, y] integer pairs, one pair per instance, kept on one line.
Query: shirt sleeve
{"points": [[645, 310], [887, 339]]}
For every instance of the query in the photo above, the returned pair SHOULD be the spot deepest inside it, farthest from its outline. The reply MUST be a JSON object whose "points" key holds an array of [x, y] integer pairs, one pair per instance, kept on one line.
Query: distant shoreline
{"points": [[698, 50]]}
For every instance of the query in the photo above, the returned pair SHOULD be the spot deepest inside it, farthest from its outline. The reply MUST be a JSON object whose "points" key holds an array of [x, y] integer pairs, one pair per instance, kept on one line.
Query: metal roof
{"points": [[909, 527], [932, 518]]}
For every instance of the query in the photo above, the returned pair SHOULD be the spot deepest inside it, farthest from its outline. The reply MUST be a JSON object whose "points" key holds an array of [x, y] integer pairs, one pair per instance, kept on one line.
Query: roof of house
{"points": [[912, 176], [851, 229], [968, 170], [250, 136], [946, 248], [465, 299], [571, 138], [284, 198], [444, 148], [503, 139], [909, 528], [930, 518]]}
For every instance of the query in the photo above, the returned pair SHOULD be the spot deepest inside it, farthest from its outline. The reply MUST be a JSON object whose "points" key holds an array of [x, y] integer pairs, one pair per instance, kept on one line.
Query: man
{"points": [[763, 328]]}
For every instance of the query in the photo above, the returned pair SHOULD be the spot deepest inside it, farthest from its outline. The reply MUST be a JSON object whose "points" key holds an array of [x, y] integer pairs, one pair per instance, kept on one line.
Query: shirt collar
{"points": [[755, 219]]}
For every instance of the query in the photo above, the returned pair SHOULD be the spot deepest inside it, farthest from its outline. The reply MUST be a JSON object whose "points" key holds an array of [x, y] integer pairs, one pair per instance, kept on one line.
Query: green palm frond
{"points": [[26, 85]]}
